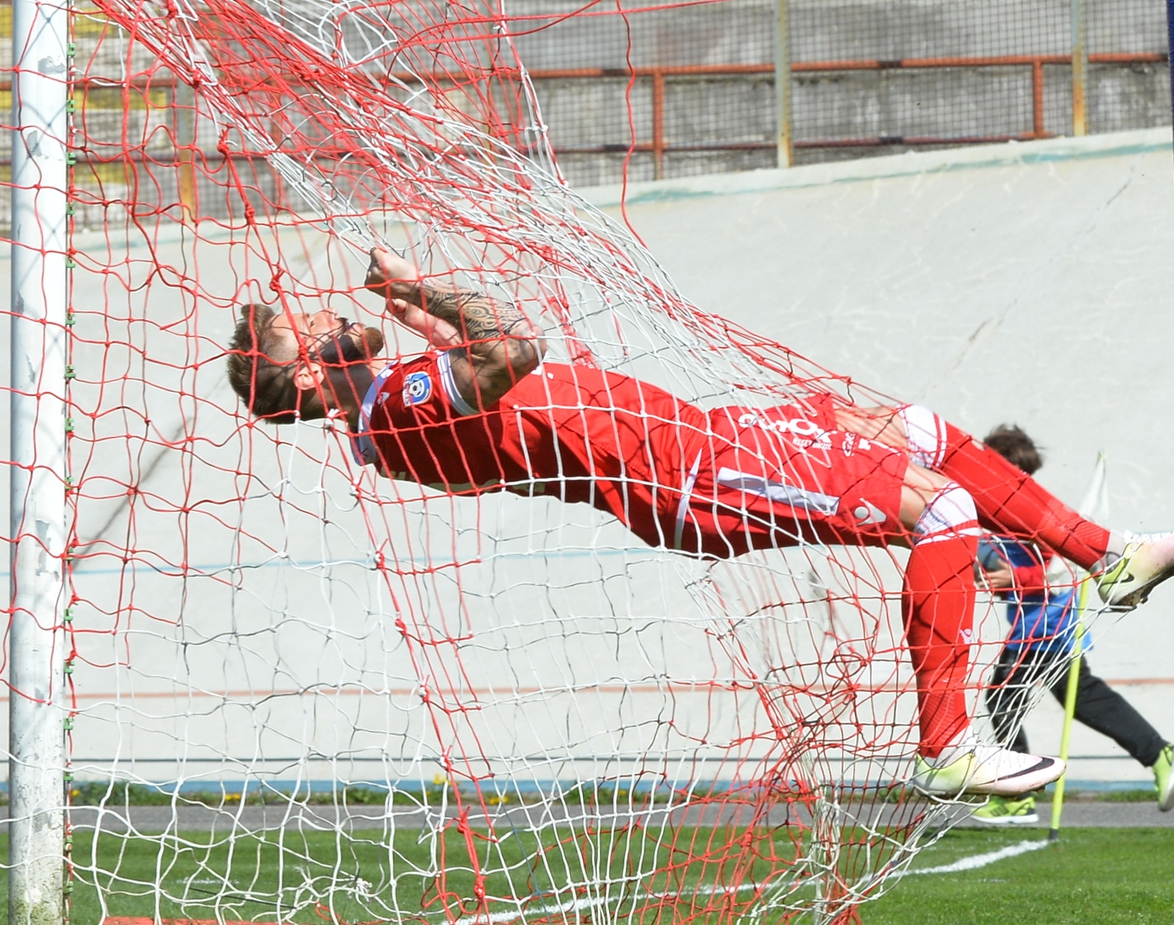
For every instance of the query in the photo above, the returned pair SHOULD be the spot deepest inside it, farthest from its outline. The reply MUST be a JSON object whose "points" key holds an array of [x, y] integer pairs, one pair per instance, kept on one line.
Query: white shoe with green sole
{"points": [[971, 766]]}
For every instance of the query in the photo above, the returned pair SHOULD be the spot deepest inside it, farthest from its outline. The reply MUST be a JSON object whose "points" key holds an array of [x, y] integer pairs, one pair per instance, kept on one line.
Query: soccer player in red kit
{"points": [[481, 411]]}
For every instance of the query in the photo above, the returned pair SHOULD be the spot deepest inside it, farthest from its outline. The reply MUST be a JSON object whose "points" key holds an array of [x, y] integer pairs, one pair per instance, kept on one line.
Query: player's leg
{"points": [[937, 603], [1007, 499], [760, 490], [1010, 501], [1100, 707]]}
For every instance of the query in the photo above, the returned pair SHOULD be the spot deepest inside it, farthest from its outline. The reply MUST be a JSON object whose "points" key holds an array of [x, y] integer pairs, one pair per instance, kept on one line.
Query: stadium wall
{"points": [[1026, 283], [1022, 282]]}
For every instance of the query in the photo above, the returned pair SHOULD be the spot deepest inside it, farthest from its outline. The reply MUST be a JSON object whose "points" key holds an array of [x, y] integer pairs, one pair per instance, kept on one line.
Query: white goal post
{"points": [[37, 512]]}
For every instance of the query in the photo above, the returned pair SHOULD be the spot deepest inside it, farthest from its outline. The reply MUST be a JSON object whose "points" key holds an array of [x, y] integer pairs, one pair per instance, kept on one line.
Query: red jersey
{"points": [[718, 482], [575, 432]]}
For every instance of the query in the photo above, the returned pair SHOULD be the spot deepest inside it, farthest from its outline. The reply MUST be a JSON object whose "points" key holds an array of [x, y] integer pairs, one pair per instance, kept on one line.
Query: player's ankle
{"points": [[1113, 551], [1117, 543], [943, 752]]}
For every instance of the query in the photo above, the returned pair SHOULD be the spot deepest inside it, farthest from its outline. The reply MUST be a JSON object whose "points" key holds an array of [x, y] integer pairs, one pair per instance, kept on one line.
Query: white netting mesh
{"points": [[366, 700]]}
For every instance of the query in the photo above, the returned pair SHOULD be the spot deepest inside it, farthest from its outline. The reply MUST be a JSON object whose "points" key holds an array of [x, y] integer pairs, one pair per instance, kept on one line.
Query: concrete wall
{"points": [[1026, 283]]}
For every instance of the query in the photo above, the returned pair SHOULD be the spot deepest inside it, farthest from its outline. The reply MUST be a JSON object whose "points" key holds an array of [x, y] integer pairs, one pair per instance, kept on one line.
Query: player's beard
{"points": [[346, 349], [373, 341], [347, 359]]}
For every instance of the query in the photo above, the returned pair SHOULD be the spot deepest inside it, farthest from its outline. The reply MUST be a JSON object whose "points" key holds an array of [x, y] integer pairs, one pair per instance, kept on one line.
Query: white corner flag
{"points": [[1094, 506]]}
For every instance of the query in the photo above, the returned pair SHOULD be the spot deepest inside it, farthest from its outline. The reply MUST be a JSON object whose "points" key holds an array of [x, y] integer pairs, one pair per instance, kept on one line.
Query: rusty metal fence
{"points": [[680, 88], [670, 88]]}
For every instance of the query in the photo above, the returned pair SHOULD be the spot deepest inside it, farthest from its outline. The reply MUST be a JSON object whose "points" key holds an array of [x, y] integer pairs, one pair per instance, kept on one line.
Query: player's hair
{"points": [[264, 383], [1012, 443]]}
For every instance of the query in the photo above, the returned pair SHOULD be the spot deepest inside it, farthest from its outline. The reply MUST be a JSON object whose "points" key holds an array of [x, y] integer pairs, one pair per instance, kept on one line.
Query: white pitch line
{"points": [[496, 918], [579, 905], [981, 860]]}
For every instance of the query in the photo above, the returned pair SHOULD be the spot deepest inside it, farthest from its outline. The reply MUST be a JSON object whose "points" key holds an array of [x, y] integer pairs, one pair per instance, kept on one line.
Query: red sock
{"points": [[1011, 501], [937, 603]]}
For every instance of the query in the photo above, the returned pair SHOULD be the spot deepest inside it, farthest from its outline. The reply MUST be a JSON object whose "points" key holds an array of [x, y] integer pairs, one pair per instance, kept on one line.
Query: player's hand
{"points": [[437, 332], [387, 268], [998, 579]]}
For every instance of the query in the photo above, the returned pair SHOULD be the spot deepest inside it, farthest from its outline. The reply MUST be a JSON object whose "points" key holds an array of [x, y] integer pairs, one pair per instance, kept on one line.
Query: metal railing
{"points": [[659, 145]]}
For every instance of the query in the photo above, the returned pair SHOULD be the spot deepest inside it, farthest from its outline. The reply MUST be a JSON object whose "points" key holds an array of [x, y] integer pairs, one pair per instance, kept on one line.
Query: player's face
{"points": [[328, 336]]}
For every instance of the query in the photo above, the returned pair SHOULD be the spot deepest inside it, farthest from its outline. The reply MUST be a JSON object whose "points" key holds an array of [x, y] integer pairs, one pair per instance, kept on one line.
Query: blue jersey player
{"points": [[1039, 648]]}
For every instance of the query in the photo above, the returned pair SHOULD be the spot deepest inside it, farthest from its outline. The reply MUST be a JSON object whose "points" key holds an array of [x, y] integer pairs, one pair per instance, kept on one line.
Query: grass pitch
{"points": [[1101, 876]]}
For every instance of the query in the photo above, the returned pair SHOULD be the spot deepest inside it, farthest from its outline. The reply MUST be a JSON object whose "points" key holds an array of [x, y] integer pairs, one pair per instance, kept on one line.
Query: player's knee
{"points": [[950, 510], [925, 435]]}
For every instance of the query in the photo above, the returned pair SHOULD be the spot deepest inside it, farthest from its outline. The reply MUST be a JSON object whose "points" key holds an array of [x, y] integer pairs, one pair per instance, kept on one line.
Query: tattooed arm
{"points": [[491, 345]]}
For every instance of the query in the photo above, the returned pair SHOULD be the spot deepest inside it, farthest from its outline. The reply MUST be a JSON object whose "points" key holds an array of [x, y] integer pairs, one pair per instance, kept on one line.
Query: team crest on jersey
{"points": [[417, 388]]}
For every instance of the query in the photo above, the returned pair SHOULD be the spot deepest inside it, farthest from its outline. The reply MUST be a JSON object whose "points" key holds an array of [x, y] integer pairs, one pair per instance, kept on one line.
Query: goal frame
{"points": [[38, 484]]}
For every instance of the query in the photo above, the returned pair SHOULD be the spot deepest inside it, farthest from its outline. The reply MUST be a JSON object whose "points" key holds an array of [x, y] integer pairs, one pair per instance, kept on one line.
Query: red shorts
{"points": [[782, 477]]}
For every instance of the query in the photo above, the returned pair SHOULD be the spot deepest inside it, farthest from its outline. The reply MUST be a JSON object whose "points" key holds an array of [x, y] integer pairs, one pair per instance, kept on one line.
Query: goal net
{"points": [[301, 693]]}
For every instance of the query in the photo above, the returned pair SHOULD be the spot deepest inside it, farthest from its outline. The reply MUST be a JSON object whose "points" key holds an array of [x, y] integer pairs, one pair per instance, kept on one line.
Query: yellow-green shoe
{"points": [[1164, 778], [1008, 811], [971, 766]]}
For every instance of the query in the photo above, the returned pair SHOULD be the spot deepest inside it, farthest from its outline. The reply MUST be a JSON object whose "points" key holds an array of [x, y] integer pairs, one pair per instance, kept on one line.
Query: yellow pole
{"points": [[1069, 706], [1079, 14], [783, 83]]}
